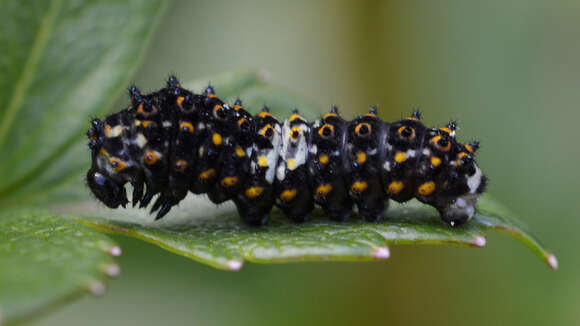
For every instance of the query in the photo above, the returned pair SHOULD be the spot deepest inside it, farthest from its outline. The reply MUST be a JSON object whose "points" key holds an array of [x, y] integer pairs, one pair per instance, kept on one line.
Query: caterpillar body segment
{"points": [[173, 141]]}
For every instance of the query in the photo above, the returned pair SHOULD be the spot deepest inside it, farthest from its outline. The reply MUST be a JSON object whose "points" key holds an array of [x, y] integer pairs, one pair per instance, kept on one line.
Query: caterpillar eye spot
{"points": [[219, 112], [326, 131], [441, 143], [406, 132], [244, 124], [150, 157], [295, 134], [363, 129], [117, 164], [267, 131]]}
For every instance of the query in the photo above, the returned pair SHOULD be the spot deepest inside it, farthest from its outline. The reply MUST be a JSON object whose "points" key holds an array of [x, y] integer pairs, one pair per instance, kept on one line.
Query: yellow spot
{"points": [[238, 107], [264, 114], [412, 118], [323, 159], [229, 181], [240, 152], [140, 108], [328, 115], [107, 131], [207, 174], [371, 115], [445, 129], [435, 161], [323, 190], [211, 95], [217, 139], [180, 100], [104, 152], [462, 155], [361, 157], [180, 165], [395, 187], [288, 194], [400, 157], [111, 132], [362, 129], [469, 148], [359, 187], [262, 161], [150, 157], [291, 164], [117, 164], [186, 126], [147, 123], [294, 116], [254, 192], [426, 189]]}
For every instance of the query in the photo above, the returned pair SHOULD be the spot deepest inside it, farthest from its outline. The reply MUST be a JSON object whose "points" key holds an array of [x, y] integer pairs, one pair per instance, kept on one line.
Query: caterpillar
{"points": [[172, 141]]}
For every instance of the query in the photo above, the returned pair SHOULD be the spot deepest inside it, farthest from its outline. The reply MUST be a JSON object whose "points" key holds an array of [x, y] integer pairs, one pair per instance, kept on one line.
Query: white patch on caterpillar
{"points": [[372, 152], [294, 149], [411, 153], [281, 172], [316, 123], [272, 155], [426, 152], [387, 165], [201, 126], [114, 131], [166, 124], [474, 181], [313, 149], [140, 140]]}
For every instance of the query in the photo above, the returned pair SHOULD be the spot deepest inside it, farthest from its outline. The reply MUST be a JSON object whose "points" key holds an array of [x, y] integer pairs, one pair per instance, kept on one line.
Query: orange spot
{"points": [[180, 165], [435, 161], [254, 192], [323, 159], [229, 181], [240, 152], [322, 190], [217, 139], [294, 116], [180, 100], [211, 95], [445, 129], [117, 164], [147, 123], [395, 187], [400, 157], [359, 187], [426, 189], [288, 194], [462, 155], [469, 148], [412, 119], [150, 157], [207, 174], [361, 157], [238, 107]]}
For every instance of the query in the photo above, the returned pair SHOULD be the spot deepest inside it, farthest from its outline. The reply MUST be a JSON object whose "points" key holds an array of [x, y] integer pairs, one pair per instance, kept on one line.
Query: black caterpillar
{"points": [[173, 141]]}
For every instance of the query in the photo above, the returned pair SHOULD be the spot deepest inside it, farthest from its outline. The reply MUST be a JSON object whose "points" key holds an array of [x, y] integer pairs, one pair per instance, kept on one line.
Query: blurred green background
{"points": [[509, 71]]}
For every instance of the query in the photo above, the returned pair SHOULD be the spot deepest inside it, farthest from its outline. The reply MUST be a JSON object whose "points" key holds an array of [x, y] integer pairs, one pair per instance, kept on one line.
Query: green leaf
{"points": [[47, 260], [61, 62], [217, 237]]}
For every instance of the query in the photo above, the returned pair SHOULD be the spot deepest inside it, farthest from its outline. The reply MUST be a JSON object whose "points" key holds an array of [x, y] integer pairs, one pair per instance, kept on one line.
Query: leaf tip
{"points": [[115, 251], [382, 253], [97, 288], [111, 270], [235, 265], [479, 241], [552, 261]]}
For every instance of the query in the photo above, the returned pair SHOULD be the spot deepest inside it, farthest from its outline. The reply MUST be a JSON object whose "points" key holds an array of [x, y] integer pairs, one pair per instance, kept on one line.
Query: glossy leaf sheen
{"points": [[217, 237], [47, 259]]}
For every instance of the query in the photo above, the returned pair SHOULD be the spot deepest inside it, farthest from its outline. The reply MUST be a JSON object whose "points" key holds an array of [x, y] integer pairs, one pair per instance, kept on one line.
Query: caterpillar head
{"points": [[106, 189]]}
